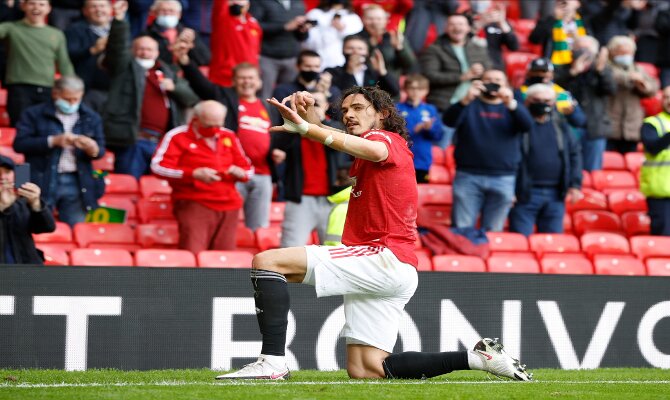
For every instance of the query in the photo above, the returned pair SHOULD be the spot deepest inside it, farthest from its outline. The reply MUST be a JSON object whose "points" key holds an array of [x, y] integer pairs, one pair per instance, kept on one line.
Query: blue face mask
{"points": [[66, 107]]}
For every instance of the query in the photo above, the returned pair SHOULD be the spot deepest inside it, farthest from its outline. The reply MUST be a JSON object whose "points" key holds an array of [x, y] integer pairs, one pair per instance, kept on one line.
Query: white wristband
{"points": [[328, 141], [291, 126]]}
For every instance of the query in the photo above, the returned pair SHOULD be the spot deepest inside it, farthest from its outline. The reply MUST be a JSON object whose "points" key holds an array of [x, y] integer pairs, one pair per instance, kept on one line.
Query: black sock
{"points": [[416, 365], [272, 305]]}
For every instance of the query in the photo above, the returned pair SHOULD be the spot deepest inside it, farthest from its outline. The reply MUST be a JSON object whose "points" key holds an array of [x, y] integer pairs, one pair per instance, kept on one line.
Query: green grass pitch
{"points": [[621, 383]]}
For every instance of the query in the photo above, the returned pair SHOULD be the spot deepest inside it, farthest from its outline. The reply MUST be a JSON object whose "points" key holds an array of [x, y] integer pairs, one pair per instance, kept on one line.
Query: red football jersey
{"points": [[383, 202]]}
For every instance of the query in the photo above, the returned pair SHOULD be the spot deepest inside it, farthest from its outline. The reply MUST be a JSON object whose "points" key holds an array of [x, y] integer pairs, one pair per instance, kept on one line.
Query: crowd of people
{"points": [[179, 89]]}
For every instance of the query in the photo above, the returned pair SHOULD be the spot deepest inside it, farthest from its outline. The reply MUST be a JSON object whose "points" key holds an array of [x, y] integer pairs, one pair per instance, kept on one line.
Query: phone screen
{"points": [[21, 175]]}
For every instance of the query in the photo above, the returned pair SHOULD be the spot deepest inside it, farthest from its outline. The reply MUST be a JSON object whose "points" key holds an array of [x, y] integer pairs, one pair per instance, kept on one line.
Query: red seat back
{"points": [[457, 263], [101, 257], [164, 258], [224, 259], [618, 265]]}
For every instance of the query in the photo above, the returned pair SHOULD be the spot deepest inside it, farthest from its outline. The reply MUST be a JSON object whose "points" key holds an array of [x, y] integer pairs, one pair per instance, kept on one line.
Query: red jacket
{"points": [[180, 152]]}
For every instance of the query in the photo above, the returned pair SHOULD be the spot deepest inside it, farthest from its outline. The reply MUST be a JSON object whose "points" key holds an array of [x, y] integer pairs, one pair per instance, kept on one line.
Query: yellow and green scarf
{"points": [[562, 54]]}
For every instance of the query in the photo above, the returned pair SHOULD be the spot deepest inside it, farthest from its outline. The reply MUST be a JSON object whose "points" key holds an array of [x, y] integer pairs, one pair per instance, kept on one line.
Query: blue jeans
{"points": [[69, 204], [135, 159], [491, 195], [545, 208], [592, 153]]}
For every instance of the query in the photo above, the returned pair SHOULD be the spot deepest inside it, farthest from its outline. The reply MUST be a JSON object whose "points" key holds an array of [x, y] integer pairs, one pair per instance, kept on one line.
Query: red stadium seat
{"points": [[425, 263], [106, 163], [542, 243], [277, 211], [123, 203], [8, 151], [618, 265], [427, 215], [53, 254], [626, 200], [164, 258], [514, 254], [449, 159], [245, 239], [649, 68], [94, 234], [658, 266], [523, 28], [439, 158], [558, 264], [507, 241], [154, 211], [224, 259], [158, 235], [650, 246], [458, 263], [604, 243], [121, 184], [652, 105], [634, 161], [592, 200], [7, 136], [430, 193], [517, 66], [268, 238], [613, 160], [438, 174], [567, 223], [636, 223], [587, 181], [592, 220], [513, 265], [603, 180], [101, 257], [152, 187], [3, 97], [62, 234]]}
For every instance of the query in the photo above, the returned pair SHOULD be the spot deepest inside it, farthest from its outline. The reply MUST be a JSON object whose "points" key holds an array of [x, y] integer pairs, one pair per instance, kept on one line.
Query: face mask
{"points": [[625, 60], [534, 80], [235, 10], [167, 21], [206, 132], [66, 107], [348, 57], [490, 89], [539, 109], [309, 76], [145, 63]]}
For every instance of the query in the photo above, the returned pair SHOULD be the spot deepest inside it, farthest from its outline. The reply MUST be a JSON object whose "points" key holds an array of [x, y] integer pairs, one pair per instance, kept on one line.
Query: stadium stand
{"points": [[618, 265], [224, 259], [458, 263], [101, 257], [164, 258]]}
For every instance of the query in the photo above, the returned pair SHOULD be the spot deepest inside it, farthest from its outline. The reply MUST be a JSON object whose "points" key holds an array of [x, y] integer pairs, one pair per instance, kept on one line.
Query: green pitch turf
{"points": [[633, 384]]}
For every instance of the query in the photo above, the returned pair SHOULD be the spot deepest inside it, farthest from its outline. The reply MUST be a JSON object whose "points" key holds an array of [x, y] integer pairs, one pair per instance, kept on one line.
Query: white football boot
{"points": [[498, 362], [261, 369]]}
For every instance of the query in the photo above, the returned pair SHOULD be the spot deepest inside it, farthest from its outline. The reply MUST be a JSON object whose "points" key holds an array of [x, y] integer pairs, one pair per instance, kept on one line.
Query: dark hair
{"points": [[382, 102], [307, 53], [416, 78], [325, 5], [355, 37]]}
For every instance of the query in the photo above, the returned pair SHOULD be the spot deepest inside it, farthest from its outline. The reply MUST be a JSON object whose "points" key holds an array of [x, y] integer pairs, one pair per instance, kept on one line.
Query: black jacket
{"points": [[344, 80], [17, 224], [200, 53], [272, 16], [80, 38]]}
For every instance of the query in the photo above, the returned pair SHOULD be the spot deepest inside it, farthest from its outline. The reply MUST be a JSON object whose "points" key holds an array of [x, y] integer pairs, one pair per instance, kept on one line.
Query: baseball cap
{"points": [[6, 162], [541, 65]]}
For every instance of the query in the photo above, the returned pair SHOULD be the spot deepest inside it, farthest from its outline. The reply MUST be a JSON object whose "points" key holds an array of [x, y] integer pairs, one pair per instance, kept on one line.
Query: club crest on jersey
{"points": [[226, 142]]}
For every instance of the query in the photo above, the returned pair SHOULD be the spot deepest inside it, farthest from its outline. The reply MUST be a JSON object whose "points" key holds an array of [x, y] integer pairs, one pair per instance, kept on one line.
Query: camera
{"points": [[312, 22]]}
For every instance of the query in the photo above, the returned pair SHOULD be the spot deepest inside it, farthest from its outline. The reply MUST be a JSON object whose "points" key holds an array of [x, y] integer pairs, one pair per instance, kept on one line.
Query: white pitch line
{"points": [[6, 385]]}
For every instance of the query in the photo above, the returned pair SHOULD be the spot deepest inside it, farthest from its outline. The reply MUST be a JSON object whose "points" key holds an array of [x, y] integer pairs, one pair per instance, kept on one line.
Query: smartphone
{"points": [[21, 174], [312, 22]]}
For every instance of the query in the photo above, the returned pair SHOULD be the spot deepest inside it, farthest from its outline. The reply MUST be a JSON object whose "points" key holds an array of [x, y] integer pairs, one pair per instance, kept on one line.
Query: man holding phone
{"points": [[22, 213]]}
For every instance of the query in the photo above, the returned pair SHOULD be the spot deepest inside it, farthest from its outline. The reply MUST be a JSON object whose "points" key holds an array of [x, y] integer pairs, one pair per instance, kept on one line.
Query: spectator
{"points": [[531, 9], [166, 30], [362, 70], [309, 79], [146, 98], [86, 43], [202, 162], [396, 9], [424, 14], [284, 26], [488, 123], [60, 138], [550, 167], [335, 21], [498, 33], [557, 33], [197, 15], [423, 124], [250, 117], [609, 18], [310, 177], [236, 39], [655, 172], [644, 30], [633, 84], [590, 81], [65, 12], [34, 50], [138, 12], [398, 56], [22, 213], [663, 27], [452, 62]]}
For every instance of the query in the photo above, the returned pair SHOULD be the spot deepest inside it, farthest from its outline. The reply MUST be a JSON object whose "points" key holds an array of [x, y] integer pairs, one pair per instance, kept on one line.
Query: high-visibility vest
{"points": [[655, 171], [337, 216]]}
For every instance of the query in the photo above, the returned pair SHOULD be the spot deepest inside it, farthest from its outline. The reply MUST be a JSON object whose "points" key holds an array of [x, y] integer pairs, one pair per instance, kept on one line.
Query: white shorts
{"points": [[376, 287]]}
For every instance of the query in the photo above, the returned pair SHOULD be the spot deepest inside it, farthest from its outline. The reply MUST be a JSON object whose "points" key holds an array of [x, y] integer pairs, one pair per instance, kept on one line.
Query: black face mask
{"points": [[347, 57], [309, 76], [539, 109], [491, 88], [235, 10], [533, 80]]}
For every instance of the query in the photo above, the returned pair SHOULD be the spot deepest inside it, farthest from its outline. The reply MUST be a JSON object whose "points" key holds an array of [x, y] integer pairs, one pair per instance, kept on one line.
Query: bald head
{"points": [[210, 113], [145, 47]]}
